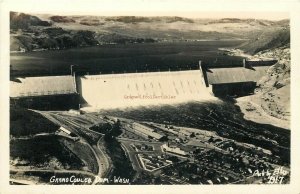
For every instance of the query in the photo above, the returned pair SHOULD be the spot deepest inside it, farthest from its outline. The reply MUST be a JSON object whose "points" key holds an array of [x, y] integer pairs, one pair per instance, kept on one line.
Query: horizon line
{"points": [[276, 16]]}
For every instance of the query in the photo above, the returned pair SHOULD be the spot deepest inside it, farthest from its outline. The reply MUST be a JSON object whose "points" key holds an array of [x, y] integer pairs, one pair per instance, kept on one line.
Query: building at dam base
{"points": [[44, 93], [235, 81]]}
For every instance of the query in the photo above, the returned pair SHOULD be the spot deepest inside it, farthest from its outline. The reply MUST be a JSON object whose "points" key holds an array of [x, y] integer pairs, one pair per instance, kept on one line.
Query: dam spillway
{"points": [[109, 90], [139, 89]]}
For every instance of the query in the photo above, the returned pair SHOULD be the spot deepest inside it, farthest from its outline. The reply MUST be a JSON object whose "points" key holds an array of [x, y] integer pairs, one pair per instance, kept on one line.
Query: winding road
{"points": [[103, 160]]}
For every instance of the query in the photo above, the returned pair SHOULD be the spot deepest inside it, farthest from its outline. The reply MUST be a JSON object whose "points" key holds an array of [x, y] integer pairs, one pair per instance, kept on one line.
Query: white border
{"points": [[154, 7]]}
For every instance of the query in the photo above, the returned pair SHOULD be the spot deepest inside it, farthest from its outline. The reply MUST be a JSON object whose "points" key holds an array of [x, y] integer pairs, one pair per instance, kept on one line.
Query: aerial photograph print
{"points": [[99, 99]]}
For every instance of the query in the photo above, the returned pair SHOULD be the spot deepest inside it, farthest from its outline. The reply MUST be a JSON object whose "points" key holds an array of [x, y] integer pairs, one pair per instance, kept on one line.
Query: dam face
{"points": [[136, 89]]}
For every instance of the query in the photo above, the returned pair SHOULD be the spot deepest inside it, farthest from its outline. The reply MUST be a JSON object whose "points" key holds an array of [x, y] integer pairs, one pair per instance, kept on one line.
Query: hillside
{"points": [[25, 21], [273, 94], [269, 39], [36, 32], [274, 91], [24, 122]]}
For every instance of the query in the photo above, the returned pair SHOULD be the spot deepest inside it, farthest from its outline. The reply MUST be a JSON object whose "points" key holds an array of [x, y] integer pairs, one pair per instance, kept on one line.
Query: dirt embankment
{"points": [[271, 101]]}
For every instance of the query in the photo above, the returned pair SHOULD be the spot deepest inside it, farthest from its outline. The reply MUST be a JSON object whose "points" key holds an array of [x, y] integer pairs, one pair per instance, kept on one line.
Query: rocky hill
{"points": [[274, 91], [269, 39], [273, 94], [25, 21]]}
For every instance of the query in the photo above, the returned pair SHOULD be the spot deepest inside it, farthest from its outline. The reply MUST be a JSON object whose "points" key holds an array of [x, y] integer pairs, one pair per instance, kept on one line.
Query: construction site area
{"points": [[156, 153]]}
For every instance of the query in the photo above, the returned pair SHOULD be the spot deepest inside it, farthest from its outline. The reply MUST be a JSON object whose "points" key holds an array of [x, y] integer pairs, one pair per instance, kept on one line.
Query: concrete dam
{"points": [[108, 90], [135, 89]]}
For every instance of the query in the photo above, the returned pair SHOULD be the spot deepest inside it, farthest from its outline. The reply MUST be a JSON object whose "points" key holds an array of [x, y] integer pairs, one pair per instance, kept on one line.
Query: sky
{"points": [[200, 14]]}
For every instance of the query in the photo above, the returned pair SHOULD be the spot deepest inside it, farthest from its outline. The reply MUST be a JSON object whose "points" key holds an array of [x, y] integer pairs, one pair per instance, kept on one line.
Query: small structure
{"points": [[65, 130], [146, 131], [44, 93], [175, 130], [22, 50], [184, 132], [173, 149], [75, 112], [241, 80], [153, 163]]}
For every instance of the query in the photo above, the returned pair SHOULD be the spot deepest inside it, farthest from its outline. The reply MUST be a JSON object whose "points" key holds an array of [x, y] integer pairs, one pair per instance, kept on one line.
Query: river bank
{"points": [[240, 53], [270, 103], [254, 112]]}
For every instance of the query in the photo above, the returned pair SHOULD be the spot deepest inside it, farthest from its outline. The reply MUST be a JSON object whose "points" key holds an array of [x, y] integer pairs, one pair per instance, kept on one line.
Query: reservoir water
{"points": [[124, 58]]}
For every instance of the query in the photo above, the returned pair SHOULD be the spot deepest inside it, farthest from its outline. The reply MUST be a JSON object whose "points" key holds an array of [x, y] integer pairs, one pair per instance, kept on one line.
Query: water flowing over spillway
{"points": [[139, 89]]}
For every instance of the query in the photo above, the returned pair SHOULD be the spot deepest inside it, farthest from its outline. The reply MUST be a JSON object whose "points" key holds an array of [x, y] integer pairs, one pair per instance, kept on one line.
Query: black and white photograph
{"points": [[158, 98]]}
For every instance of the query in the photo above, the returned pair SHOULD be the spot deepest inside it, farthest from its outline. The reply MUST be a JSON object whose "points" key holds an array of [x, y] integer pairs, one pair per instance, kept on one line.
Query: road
{"points": [[103, 160]]}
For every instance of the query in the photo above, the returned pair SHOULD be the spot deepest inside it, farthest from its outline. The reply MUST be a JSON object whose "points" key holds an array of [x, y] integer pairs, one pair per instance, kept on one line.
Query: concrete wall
{"points": [[239, 89], [51, 102], [134, 89], [42, 86]]}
